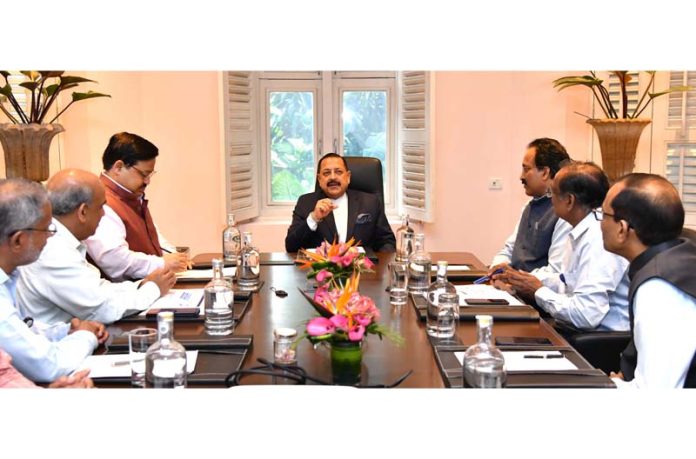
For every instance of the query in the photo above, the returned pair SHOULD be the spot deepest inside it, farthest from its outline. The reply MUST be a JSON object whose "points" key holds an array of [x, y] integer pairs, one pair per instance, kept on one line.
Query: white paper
{"points": [[484, 291], [191, 298], [118, 365], [204, 274], [454, 268], [531, 361]]}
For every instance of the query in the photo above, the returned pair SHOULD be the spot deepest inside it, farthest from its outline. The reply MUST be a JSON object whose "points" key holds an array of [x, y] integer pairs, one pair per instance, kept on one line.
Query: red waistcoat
{"points": [[141, 234]]}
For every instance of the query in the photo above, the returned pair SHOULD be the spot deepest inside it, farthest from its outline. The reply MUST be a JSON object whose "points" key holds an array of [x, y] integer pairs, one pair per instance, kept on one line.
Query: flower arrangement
{"points": [[346, 315], [333, 264]]}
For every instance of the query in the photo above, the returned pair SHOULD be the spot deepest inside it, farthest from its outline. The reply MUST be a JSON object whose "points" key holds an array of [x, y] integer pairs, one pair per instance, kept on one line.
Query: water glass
{"points": [[139, 340], [447, 315], [398, 282]]}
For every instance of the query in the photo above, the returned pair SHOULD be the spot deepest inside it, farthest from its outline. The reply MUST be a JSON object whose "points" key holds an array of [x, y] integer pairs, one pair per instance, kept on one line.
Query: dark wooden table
{"points": [[383, 361]]}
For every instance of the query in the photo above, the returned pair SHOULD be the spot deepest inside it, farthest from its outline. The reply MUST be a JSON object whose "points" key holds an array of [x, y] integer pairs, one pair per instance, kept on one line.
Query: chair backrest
{"points": [[365, 175]]}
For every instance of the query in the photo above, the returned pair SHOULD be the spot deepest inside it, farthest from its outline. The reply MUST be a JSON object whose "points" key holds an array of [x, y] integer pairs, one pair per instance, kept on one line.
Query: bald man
{"points": [[61, 284], [642, 218]]}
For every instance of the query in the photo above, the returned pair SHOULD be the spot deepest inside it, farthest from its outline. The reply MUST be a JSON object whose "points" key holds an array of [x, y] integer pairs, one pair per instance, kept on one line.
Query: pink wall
{"points": [[483, 122]]}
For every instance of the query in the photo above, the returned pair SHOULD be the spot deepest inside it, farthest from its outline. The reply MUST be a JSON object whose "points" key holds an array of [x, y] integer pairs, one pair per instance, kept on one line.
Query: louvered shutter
{"points": [[241, 144], [680, 169], [682, 105], [415, 144], [20, 94]]}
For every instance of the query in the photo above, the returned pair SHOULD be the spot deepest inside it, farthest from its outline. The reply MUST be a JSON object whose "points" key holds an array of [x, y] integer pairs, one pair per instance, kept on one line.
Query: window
{"points": [[278, 124]]}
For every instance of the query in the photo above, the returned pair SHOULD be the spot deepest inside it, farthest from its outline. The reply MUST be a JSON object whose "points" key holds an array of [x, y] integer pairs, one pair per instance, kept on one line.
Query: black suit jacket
{"points": [[366, 223]]}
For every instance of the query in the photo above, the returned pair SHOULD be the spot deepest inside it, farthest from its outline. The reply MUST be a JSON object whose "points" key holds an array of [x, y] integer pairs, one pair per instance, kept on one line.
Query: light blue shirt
{"points": [[591, 292], [41, 356]]}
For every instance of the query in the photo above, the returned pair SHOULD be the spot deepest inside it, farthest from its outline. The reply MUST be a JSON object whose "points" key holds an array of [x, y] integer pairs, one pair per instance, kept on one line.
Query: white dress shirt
{"points": [[664, 332], [591, 293], [556, 249], [33, 354], [340, 214], [109, 249], [61, 285]]}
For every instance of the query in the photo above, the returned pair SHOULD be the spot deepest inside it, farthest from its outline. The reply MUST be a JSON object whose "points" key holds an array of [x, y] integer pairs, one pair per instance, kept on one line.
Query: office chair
{"points": [[602, 349], [365, 175]]}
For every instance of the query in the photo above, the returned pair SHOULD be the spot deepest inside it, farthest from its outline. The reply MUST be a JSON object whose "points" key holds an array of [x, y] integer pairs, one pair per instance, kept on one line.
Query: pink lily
{"points": [[341, 322], [356, 333], [323, 275], [363, 320], [320, 326]]}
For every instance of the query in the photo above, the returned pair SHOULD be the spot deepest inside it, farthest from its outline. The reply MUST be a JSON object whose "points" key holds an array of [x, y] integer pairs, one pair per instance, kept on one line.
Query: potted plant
{"points": [[26, 139], [620, 131]]}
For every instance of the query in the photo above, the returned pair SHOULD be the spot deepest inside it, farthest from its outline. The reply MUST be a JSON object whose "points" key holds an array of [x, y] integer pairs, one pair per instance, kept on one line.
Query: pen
{"points": [[546, 356], [120, 363], [483, 279]]}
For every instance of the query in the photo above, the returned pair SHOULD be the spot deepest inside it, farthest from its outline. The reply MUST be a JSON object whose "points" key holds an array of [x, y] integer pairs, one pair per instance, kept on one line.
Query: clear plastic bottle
{"points": [[419, 265], [403, 250], [165, 361], [437, 288], [231, 242], [219, 299], [248, 269], [484, 364]]}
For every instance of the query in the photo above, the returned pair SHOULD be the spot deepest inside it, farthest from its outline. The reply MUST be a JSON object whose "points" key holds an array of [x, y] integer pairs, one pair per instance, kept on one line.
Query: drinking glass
{"points": [[398, 282], [139, 340]]}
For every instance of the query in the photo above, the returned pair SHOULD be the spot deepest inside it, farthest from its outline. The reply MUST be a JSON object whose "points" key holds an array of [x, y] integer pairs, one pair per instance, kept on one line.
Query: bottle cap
{"points": [[484, 320], [285, 333]]}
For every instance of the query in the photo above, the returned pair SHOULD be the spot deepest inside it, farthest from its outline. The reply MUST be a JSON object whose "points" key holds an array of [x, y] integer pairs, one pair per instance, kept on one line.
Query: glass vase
{"points": [[346, 362]]}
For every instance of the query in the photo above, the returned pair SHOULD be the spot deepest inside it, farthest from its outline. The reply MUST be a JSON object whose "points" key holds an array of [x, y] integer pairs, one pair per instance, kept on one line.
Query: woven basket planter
{"points": [[26, 149], [618, 141]]}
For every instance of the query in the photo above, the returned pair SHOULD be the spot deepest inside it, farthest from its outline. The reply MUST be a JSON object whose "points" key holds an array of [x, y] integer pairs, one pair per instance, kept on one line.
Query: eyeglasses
{"points": [[599, 214], [144, 174], [51, 229]]}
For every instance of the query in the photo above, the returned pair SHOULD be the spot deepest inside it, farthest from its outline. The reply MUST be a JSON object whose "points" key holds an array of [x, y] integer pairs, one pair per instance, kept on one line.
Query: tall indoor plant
{"points": [[620, 131], [26, 139]]}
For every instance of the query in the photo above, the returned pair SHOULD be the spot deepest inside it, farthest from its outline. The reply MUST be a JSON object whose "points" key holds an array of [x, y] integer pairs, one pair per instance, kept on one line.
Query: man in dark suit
{"points": [[334, 212]]}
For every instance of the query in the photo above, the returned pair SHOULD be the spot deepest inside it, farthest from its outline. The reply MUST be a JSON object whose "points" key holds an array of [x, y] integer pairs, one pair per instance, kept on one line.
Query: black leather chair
{"points": [[365, 175], [602, 349]]}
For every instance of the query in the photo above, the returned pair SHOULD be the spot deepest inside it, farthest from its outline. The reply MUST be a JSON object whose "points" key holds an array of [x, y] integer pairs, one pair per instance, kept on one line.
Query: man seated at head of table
{"points": [[41, 353], [335, 212], [538, 241], [591, 291], [62, 284], [127, 244], [642, 218]]}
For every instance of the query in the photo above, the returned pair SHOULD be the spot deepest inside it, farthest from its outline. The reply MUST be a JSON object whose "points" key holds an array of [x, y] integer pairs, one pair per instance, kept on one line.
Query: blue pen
{"points": [[483, 279]]}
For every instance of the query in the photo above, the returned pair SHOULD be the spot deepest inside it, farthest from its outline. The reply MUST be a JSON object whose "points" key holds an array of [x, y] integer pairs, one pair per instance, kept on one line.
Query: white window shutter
{"points": [[415, 143], [632, 92], [241, 144]]}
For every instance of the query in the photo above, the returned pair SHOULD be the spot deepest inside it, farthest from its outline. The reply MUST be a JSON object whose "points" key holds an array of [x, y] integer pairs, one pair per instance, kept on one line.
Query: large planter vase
{"points": [[346, 362], [618, 141], [26, 148]]}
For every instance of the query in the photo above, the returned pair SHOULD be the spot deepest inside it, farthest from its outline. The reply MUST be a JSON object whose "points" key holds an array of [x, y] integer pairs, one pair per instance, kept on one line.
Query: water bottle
{"points": [[219, 299], [249, 265], [419, 265], [231, 242], [435, 314], [484, 364], [165, 361], [404, 246]]}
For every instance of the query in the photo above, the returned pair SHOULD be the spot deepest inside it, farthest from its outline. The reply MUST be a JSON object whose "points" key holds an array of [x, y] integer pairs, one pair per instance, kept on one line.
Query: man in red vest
{"points": [[127, 244]]}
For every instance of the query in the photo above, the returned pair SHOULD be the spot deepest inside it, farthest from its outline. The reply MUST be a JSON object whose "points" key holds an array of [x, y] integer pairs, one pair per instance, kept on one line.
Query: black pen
{"points": [[546, 356]]}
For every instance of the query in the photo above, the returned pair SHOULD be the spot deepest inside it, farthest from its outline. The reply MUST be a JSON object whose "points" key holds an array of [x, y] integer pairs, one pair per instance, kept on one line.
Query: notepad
{"points": [[453, 268], [118, 365], [203, 274], [484, 291], [180, 298], [532, 361]]}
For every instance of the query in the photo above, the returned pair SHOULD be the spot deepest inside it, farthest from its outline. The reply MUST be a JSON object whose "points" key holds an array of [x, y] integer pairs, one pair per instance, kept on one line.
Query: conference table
{"points": [[383, 361]]}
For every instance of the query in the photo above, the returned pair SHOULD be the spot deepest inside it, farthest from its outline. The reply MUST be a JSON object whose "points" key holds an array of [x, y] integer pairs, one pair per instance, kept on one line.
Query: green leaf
{"points": [[6, 90], [51, 73], [77, 96], [65, 80], [653, 95], [50, 89], [30, 85]]}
